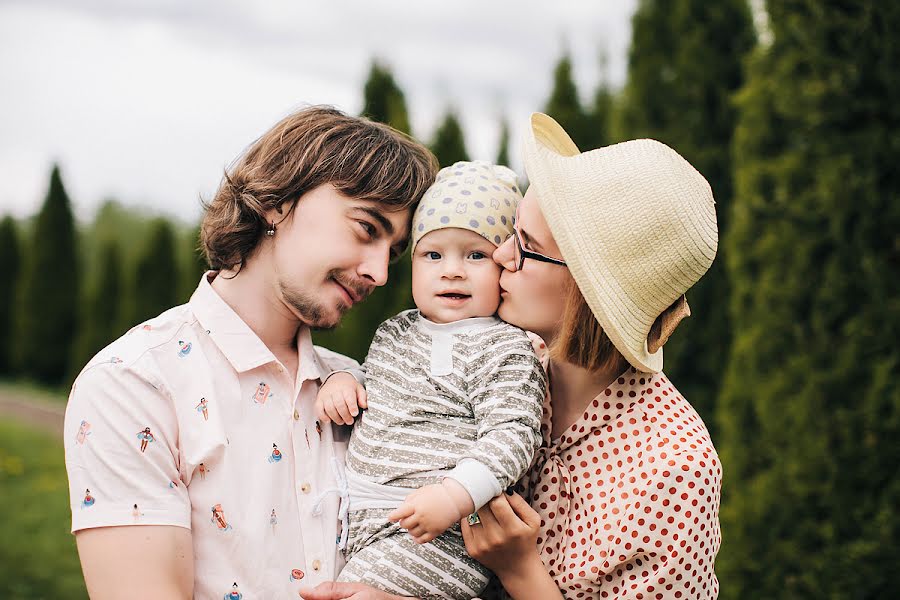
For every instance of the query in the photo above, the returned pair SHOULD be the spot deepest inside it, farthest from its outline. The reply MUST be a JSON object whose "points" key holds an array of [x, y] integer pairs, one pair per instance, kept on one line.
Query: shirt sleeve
{"points": [[338, 363], [507, 394], [122, 458], [666, 539]]}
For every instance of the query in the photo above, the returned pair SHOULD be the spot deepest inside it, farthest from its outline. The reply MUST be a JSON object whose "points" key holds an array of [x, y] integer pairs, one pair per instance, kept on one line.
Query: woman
{"points": [[623, 498]]}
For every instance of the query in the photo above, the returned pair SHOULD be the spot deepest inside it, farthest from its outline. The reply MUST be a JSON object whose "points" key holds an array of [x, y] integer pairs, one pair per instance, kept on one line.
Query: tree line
{"points": [[793, 115]]}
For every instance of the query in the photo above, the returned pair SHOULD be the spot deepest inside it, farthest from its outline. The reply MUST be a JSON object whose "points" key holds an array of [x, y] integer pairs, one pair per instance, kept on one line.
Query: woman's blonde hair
{"points": [[362, 159], [581, 340]]}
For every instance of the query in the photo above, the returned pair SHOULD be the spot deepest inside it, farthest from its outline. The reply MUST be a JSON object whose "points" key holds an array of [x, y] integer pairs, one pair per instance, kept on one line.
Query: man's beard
{"points": [[312, 312]]}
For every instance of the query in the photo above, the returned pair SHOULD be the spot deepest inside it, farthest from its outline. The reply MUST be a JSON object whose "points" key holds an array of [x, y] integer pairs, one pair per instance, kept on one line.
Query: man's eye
{"points": [[433, 255], [477, 255], [368, 228]]}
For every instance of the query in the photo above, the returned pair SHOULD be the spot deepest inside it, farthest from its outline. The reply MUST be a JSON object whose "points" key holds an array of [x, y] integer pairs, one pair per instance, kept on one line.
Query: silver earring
{"points": [[271, 230]]}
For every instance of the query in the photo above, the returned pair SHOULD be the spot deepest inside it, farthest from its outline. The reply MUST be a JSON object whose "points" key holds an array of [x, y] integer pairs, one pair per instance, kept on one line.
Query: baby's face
{"points": [[454, 277]]}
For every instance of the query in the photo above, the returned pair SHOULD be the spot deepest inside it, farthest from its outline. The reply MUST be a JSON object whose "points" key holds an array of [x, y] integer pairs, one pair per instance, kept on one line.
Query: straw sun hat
{"points": [[635, 222]]}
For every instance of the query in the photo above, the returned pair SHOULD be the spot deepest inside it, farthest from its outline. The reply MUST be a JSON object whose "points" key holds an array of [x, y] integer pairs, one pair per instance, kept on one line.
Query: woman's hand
{"points": [[506, 539], [333, 590]]}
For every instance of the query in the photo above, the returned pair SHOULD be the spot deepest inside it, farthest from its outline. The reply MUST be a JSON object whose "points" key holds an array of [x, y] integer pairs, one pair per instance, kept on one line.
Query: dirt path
{"points": [[30, 411]]}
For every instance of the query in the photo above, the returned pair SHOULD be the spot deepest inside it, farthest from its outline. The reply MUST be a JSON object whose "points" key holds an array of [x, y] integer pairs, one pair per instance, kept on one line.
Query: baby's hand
{"points": [[339, 399], [430, 510]]}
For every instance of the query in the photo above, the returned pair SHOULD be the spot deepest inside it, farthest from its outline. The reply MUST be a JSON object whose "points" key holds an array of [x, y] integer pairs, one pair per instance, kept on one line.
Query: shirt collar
{"points": [[240, 344]]}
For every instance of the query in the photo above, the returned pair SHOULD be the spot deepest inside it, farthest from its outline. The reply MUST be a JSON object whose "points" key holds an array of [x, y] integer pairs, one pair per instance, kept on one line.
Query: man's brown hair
{"points": [[362, 159], [581, 340]]}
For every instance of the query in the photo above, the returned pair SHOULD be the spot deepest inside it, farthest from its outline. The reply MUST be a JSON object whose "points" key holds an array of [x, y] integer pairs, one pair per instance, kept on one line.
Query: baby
{"points": [[453, 399]]}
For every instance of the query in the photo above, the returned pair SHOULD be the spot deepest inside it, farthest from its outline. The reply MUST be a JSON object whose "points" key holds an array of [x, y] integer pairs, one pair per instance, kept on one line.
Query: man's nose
{"points": [[375, 266]]}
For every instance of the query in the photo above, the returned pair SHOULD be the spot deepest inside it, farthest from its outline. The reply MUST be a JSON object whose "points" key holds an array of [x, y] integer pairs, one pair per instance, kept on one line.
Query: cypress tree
{"points": [[196, 265], [685, 64], [449, 145], [383, 100], [12, 256], [565, 106], [156, 282], [48, 309], [100, 317], [810, 406], [503, 145]]}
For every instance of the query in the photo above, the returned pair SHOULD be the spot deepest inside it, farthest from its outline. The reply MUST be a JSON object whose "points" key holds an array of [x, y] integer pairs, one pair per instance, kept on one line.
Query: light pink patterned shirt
{"points": [[189, 420]]}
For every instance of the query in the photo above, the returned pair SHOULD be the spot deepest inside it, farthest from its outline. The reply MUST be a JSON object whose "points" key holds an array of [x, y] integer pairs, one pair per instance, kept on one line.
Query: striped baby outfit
{"points": [[460, 400]]}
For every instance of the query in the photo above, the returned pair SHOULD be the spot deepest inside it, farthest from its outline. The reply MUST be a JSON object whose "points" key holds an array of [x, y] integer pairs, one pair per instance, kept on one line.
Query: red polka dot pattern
{"points": [[629, 496]]}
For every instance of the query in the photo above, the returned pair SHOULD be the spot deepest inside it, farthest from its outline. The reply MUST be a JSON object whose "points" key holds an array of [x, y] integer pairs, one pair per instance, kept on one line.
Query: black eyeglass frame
{"points": [[523, 254]]}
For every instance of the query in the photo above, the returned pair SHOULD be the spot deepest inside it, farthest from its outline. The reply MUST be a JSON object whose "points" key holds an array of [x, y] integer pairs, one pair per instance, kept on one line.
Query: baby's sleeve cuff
{"points": [[477, 479]]}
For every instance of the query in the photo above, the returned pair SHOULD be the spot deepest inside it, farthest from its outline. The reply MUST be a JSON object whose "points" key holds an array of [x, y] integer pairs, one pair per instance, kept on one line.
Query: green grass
{"points": [[27, 390], [37, 553]]}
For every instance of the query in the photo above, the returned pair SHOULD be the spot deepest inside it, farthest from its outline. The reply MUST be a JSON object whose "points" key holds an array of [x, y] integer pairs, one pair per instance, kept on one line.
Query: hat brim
{"points": [[550, 155]]}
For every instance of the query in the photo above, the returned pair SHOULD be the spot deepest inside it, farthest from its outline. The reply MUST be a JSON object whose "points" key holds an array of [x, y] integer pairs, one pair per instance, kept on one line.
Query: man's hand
{"points": [[339, 399], [332, 590], [430, 510]]}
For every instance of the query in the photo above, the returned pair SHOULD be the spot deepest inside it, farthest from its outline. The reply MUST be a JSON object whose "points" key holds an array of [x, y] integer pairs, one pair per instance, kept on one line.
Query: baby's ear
{"points": [[666, 323]]}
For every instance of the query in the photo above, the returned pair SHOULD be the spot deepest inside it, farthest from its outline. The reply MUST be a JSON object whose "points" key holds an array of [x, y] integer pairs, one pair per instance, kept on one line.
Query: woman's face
{"points": [[532, 298]]}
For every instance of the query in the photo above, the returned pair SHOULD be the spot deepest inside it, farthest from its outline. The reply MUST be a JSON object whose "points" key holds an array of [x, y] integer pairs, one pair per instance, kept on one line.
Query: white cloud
{"points": [[148, 100]]}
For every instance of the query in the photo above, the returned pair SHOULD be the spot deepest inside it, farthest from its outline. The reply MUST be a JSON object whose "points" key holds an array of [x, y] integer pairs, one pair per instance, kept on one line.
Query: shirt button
{"points": [[305, 488], [296, 415], [316, 565]]}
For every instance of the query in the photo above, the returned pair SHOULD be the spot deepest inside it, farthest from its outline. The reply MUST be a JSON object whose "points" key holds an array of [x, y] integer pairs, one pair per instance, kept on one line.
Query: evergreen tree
{"points": [[12, 256], [100, 317], [48, 307], [503, 146], [195, 266], [810, 406], [156, 282], [685, 63], [565, 106], [383, 100], [598, 117], [448, 145]]}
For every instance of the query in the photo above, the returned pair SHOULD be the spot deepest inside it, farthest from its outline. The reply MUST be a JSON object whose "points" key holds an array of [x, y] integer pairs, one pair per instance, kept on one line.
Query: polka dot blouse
{"points": [[629, 496]]}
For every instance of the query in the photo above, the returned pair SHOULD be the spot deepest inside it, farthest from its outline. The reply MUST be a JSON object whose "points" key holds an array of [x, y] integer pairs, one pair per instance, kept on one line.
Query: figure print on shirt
{"points": [[319, 429], [146, 437], [184, 348], [136, 513], [273, 520], [88, 499], [146, 327], [173, 485], [263, 392], [203, 470], [276, 454], [203, 407], [297, 574], [84, 430], [234, 594], [115, 360], [218, 518]]}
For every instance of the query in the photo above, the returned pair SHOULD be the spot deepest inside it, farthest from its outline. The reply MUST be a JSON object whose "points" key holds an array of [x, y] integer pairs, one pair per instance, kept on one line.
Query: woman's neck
{"points": [[572, 388]]}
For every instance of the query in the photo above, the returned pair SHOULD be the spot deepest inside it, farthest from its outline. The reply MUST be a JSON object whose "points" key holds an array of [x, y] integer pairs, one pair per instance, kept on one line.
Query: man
{"points": [[301, 229]]}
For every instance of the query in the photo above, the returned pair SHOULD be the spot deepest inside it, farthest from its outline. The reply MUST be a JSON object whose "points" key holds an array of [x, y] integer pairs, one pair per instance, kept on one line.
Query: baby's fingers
{"points": [[362, 398], [401, 512]]}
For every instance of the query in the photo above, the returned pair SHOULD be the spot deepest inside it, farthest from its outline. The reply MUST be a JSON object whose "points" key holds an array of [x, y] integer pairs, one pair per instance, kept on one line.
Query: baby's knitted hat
{"points": [[476, 195]]}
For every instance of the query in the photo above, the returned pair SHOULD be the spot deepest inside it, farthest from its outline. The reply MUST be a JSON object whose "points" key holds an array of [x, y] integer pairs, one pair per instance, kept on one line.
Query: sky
{"points": [[148, 101]]}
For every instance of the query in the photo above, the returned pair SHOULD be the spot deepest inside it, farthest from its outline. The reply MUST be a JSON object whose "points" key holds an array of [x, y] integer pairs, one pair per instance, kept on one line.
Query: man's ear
{"points": [[666, 323]]}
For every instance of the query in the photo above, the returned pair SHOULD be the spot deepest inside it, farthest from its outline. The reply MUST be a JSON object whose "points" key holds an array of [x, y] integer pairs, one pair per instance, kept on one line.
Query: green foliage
{"points": [[383, 100], [810, 406], [101, 311], [155, 287], [685, 64], [12, 258], [37, 553], [193, 264], [50, 290], [503, 145], [449, 145]]}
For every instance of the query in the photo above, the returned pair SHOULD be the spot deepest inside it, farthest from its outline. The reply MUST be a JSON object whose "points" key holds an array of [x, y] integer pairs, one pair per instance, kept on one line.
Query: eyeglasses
{"points": [[520, 254]]}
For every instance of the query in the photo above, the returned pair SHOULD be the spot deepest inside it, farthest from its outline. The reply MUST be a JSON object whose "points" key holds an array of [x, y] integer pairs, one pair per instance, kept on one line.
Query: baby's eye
{"points": [[477, 255], [432, 255]]}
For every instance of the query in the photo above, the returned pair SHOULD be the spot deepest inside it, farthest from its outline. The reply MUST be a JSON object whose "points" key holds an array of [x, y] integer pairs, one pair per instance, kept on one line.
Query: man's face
{"points": [[331, 252]]}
